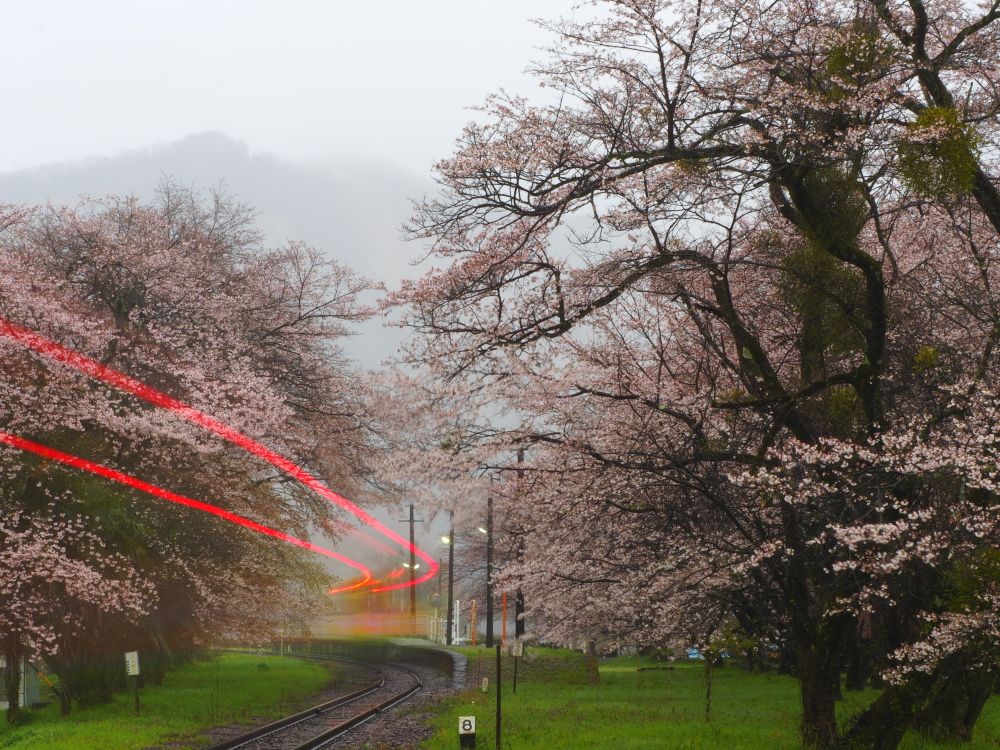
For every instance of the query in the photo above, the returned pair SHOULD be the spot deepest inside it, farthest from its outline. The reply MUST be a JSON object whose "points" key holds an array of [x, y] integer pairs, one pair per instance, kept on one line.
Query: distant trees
{"points": [[737, 282], [183, 295]]}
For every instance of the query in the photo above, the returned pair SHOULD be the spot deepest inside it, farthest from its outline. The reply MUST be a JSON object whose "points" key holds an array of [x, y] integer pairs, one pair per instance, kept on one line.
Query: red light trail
{"points": [[83, 464], [57, 352]]}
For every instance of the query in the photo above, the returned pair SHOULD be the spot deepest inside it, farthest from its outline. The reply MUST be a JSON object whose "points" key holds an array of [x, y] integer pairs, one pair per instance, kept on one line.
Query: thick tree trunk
{"points": [[882, 725], [955, 705], [819, 721], [978, 695], [13, 678], [857, 664], [786, 660], [943, 717]]}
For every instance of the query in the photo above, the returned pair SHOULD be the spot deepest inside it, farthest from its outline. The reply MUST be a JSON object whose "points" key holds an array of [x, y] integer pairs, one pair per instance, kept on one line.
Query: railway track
{"points": [[387, 685]]}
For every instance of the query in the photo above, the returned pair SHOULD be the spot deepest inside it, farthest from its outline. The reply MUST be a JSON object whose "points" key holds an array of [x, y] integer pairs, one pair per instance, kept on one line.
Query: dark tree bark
{"points": [[819, 722], [858, 666], [883, 724], [955, 704], [12, 683]]}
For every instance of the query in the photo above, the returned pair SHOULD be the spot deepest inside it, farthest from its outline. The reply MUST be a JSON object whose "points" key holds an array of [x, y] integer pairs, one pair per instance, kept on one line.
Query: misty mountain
{"points": [[350, 210]]}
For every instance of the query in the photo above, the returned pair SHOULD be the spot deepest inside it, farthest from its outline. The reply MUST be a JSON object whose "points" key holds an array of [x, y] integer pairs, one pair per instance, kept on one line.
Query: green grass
{"points": [[229, 688], [558, 706]]}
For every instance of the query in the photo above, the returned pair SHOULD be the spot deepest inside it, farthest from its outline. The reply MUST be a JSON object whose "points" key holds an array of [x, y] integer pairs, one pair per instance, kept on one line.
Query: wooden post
{"points": [[503, 618]]}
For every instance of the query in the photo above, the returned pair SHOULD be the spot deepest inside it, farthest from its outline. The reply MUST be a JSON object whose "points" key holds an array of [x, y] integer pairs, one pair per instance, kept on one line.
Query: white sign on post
{"points": [[517, 648], [132, 663], [466, 724]]}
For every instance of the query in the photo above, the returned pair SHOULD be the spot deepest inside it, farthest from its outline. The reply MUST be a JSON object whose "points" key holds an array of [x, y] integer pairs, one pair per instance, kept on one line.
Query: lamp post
{"points": [[489, 566], [412, 566], [450, 541], [519, 624]]}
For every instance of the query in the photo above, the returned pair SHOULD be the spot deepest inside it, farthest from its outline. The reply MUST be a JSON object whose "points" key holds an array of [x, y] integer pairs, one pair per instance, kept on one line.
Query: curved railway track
{"points": [[315, 727]]}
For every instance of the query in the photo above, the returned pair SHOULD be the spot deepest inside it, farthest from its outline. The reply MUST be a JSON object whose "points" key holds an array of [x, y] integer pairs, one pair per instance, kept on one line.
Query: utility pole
{"points": [[489, 567], [519, 624], [413, 565], [451, 575]]}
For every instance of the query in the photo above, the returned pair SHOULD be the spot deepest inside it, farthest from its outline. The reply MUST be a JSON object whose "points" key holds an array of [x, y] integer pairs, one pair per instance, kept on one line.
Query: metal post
{"points": [[451, 575], [489, 570], [519, 623], [474, 620], [413, 569], [499, 690]]}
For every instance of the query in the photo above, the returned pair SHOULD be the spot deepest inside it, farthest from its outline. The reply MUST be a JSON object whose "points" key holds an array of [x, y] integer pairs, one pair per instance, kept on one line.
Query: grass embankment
{"points": [[226, 689], [559, 706]]}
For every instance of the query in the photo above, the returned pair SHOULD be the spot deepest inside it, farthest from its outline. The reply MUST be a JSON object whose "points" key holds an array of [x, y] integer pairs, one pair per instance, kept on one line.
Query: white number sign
{"points": [[132, 663], [466, 724]]}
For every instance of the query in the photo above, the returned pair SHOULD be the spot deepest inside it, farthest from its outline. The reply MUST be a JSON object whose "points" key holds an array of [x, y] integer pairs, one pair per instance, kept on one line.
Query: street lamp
{"points": [[412, 566], [489, 563], [449, 539], [451, 576]]}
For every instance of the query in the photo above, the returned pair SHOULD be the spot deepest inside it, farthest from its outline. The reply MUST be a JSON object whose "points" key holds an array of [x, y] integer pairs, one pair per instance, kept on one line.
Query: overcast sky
{"points": [[303, 79]]}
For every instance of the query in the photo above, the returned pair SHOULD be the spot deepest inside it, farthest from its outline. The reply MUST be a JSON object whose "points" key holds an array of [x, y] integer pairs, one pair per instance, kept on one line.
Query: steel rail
{"points": [[364, 716], [342, 727]]}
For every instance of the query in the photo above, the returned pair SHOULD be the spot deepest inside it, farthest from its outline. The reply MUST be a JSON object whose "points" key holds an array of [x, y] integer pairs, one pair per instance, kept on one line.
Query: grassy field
{"points": [[229, 688], [559, 706]]}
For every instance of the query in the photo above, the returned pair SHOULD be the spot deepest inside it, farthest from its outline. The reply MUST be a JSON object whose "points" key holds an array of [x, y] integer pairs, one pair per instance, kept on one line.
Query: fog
{"points": [[351, 211]]}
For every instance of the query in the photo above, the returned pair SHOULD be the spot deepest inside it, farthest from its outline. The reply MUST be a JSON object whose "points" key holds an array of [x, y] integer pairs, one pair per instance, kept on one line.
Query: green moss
{"points": [[837, 210], [861, 58], [825, 293], [926, 358], [939, 157], [969, 580], [844, 409]]}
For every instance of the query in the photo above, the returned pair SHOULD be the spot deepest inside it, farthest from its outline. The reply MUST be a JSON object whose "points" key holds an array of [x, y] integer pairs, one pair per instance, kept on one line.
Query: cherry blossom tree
{"points": [[737, 281], [184, 295], [48, 566]]}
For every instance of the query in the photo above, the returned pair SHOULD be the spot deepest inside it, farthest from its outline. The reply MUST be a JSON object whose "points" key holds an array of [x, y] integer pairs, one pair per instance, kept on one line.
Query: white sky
{"points": [[304, 79]]}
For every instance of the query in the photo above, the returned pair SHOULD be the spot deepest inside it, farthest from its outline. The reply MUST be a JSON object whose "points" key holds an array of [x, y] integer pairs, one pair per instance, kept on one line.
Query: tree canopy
{"points": [[736, 279]]}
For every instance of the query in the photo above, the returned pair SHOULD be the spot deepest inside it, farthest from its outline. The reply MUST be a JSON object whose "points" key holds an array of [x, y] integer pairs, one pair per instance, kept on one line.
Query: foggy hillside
{"points": [[352, 211]]}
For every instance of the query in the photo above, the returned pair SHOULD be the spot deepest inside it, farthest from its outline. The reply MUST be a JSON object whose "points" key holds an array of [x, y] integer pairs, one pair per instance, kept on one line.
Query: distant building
{"points": [[29, 684]]}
